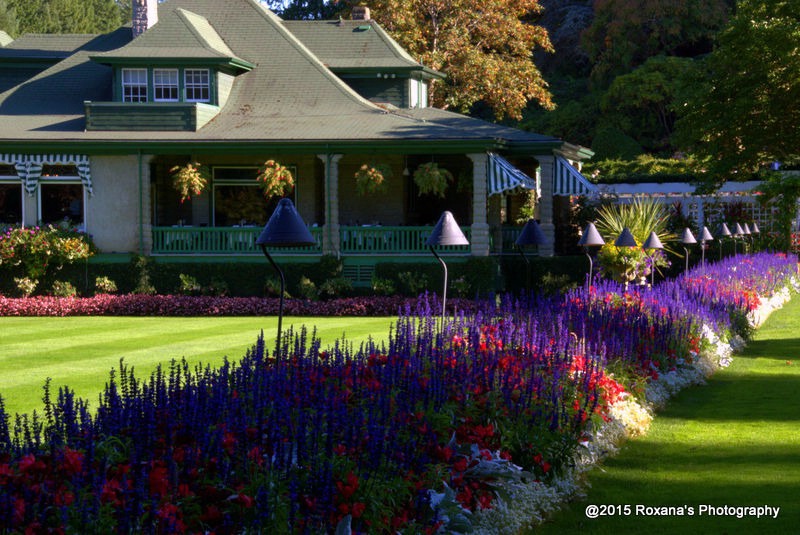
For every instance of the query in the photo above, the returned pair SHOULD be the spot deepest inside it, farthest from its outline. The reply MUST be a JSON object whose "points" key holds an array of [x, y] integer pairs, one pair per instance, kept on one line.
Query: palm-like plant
{"points": [[642, 216]]}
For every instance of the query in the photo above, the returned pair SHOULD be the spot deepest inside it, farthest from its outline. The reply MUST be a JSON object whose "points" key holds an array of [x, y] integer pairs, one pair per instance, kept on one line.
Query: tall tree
{"points": [[625, 33], [485, 47], [744, 111], [68, 16], [641, 103], [8, 19]]}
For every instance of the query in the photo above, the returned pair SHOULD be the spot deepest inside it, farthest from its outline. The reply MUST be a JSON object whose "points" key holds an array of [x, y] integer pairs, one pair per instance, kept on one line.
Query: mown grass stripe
{"points": [[734, 442], [79, 352]]}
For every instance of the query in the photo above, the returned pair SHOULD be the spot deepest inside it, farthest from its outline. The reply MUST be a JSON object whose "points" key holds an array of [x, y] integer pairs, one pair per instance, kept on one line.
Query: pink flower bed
{"points": [[179, 305]]}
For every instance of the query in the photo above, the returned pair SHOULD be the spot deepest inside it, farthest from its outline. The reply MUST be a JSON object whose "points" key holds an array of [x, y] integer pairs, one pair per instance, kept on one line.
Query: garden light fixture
{"points": [[724, 232], [687, 238], [531, 235], [738, 232], [704, 237], [285, 228], [446, 232], [652, 243], [590, 238], [626, 239]]}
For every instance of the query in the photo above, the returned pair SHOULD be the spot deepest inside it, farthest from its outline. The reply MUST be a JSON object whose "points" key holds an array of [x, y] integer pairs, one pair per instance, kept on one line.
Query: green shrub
{"points": [[218, 287], [189, 285], [105, 285], [63, 289], [383, 286], [335, 287], [307, 289], [25, 285], [141, 267]]}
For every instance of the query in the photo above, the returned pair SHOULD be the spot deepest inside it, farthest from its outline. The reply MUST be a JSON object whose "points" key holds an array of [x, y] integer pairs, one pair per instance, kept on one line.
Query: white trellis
{"points": [[703, 210]]}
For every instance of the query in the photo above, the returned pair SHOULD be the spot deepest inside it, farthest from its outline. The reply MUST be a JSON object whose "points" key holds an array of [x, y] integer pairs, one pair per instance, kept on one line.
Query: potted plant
{"points": [[431, 179], [275, 179], [190, 179], [371, 178]]}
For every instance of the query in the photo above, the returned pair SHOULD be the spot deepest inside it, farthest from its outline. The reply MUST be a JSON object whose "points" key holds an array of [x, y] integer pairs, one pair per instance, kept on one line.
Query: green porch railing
{"points": [[376, 240], [354, 240], [219, 240]]}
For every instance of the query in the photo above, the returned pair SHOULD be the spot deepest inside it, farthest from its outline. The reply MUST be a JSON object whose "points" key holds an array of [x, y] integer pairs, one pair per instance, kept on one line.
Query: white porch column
{"points": [[546, 172], [330, 234], [480, 228]]}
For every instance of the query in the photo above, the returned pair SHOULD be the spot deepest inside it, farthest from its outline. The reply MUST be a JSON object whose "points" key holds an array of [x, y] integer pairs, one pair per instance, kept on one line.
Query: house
{"points": [[90, 127]]}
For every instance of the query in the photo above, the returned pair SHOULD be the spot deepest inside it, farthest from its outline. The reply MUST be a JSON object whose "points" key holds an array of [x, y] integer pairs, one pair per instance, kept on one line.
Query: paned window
{"points": [[197, 84], [61, 203], [134, 85], [10, 203], [165, 85]]}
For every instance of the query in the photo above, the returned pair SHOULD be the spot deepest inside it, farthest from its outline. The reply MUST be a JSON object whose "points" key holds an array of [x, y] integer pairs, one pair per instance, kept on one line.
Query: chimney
{"points": [[145, 15], [361, 13]]}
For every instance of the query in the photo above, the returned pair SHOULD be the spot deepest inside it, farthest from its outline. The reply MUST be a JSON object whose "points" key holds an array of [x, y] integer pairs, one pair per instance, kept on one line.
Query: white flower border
{"points": [[528, 503]]}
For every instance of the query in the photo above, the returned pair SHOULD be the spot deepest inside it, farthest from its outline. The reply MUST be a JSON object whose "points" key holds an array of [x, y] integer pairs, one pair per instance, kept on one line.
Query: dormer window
{"points": [[197, 85], [134, 85], [165, 85]]}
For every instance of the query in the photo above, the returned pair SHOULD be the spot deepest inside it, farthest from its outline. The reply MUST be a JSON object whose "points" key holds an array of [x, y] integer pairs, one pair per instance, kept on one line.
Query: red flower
{"points": [[349, 487], [73, 461], [358, 509], [159, 481]]}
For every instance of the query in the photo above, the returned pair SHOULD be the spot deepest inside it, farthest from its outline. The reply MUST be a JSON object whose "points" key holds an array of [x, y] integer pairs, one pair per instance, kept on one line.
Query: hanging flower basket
{"points": [[275, 179], [190, 179], [431, 179], [371, 178]]}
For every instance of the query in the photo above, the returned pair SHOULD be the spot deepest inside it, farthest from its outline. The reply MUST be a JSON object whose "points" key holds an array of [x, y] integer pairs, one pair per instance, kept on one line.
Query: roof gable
{"points": [[347, 44], [180, 34]]}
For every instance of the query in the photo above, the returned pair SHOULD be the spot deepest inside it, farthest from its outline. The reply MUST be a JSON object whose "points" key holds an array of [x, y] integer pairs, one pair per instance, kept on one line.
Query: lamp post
{"points": [[531, 235], [704, 237], [652, 243], [590, 238], [446, 232], [754, 230], [687, 238], [724, 232], [738, 232], [626, 239], [747, 238], [285, 228]]}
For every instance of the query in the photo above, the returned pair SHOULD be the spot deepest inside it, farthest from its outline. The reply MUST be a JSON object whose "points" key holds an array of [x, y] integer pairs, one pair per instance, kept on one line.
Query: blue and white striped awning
{"points": [[29, 167], [502, 177], [569, 181]]}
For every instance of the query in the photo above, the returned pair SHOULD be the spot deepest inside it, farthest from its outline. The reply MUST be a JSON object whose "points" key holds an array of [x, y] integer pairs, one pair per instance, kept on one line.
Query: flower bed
{"points": [[485, 423], [184, 305]]}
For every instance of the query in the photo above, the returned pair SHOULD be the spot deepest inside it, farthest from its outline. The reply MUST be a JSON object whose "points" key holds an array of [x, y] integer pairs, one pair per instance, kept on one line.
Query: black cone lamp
{"points": [[704, 237], [687, 238], [625, 239], [446, 232], [285, 228], [531, 235], [652, 243], [590, 238]]}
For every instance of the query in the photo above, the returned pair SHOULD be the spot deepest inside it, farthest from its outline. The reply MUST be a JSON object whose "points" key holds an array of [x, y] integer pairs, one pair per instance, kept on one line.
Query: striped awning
{"points": [[502, 177], [569, 181], [29, 167]]}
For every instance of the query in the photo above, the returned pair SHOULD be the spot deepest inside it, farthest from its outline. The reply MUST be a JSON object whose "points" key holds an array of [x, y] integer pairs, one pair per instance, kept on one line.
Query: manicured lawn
{"points": [[735, 442], [80, 351]]}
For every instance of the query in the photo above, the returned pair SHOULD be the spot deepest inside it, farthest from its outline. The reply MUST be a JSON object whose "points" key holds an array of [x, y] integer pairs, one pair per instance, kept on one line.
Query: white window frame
{"points": [[66, 181], [129, 82], [166, 80], [193, 86]]}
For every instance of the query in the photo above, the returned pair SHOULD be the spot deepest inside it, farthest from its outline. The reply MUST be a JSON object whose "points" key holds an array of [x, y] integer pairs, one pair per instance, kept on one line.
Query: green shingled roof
{"points": [[181, 34], [290, 98], [38, 45], [353, 44]]}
